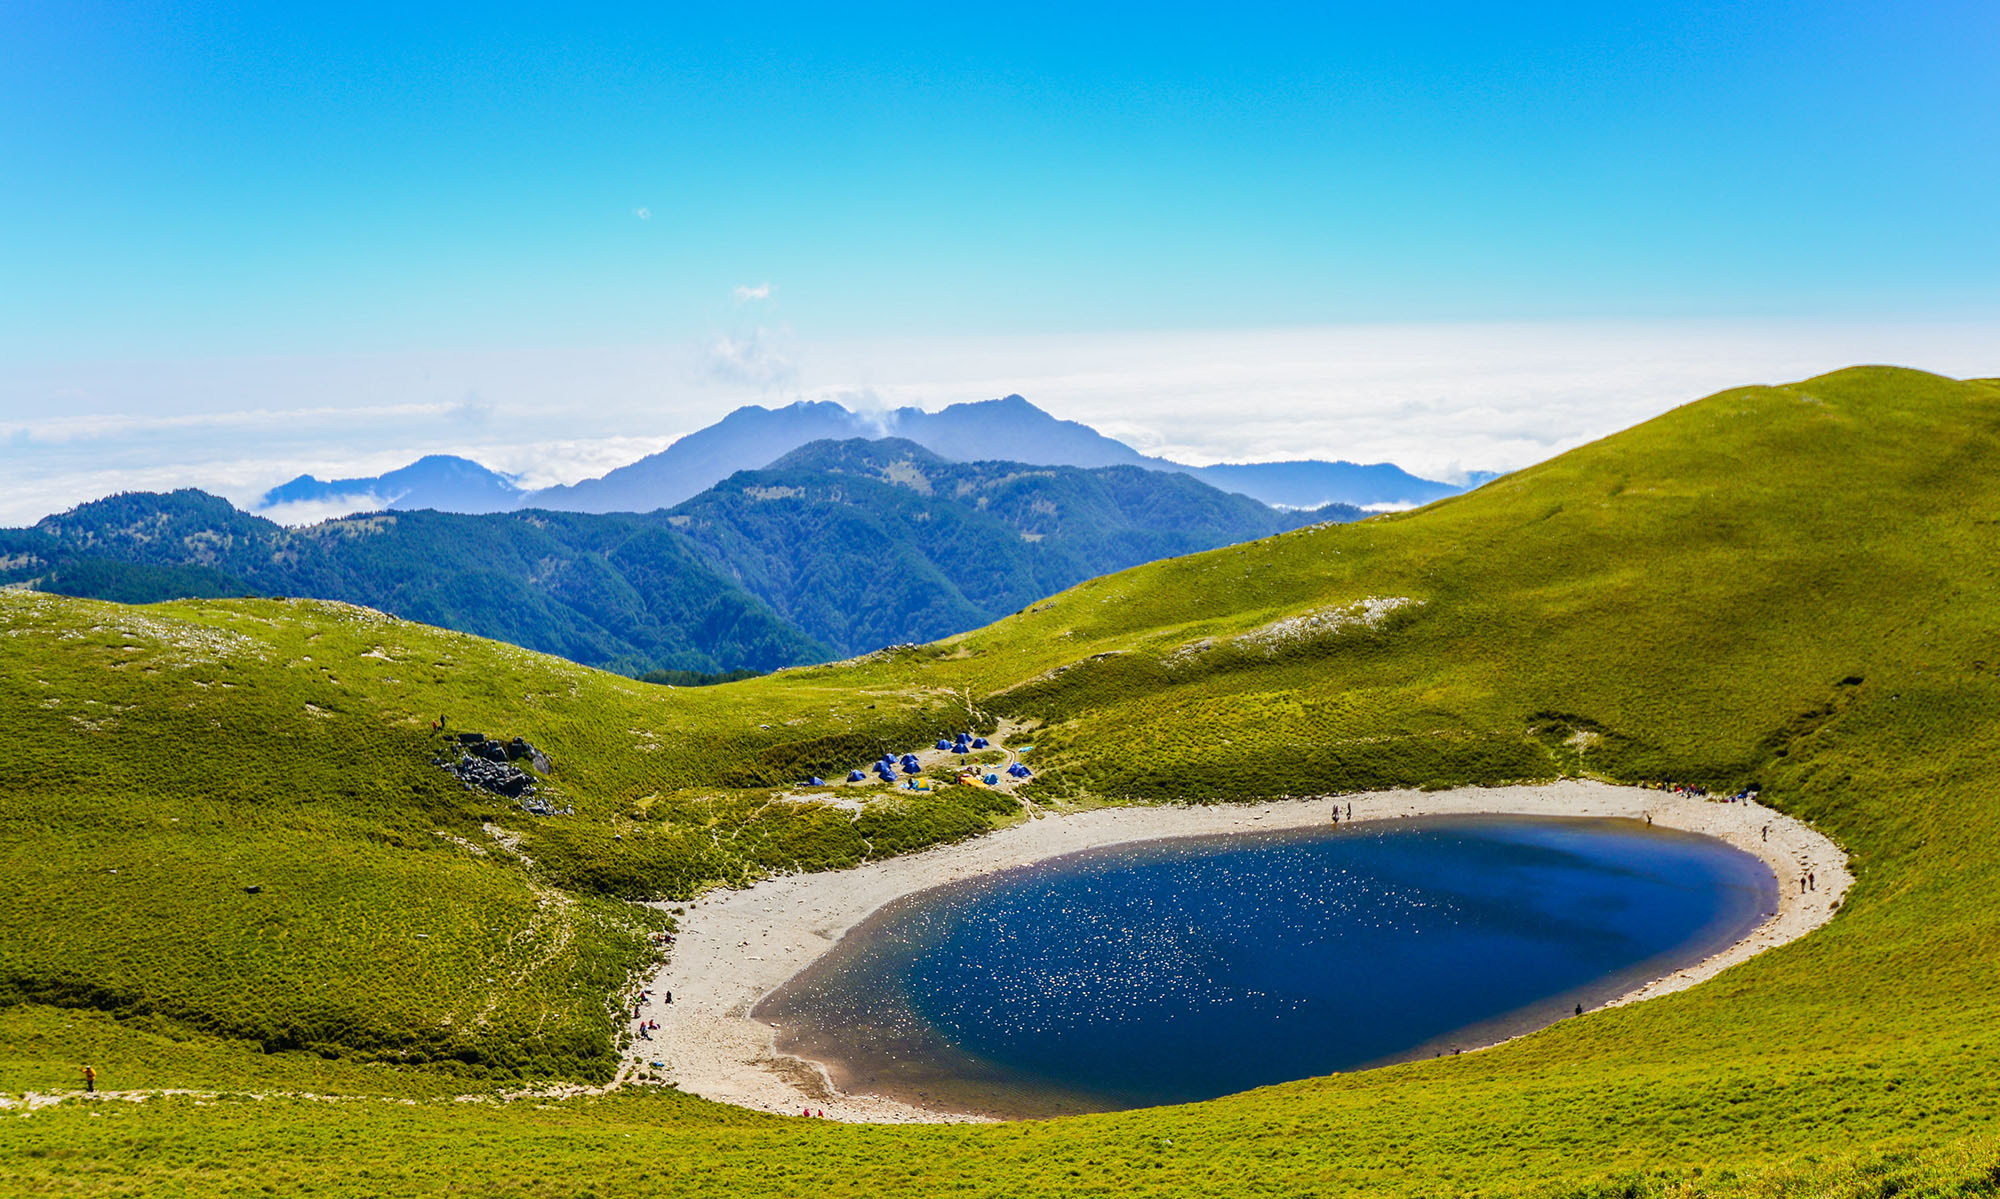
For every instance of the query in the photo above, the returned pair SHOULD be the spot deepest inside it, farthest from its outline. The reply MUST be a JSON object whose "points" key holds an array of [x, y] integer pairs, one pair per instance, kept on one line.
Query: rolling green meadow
{"points": [[1795, 588]]}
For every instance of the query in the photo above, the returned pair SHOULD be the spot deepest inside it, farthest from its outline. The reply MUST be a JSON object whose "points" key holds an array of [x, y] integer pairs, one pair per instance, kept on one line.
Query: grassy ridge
{"points": [[1787, 586], [161, 760], [662, 1145]]}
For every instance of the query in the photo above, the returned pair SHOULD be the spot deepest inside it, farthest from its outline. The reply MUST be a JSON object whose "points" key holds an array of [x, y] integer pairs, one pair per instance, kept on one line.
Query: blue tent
{"points": [[815, 781], [992, 779], [979, 743], [855, 776], [943, 744], [888, 776]]}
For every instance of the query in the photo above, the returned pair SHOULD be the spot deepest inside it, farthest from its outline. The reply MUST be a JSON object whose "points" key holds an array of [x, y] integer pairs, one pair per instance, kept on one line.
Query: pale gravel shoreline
{"points": [[735, 947]]}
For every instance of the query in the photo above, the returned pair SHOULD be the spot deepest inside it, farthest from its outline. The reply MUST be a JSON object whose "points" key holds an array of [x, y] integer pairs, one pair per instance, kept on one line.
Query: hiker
{"points": [[1579, 1009], [1767, 832], [89, 1080], [1812, 884], [1350, 811]]}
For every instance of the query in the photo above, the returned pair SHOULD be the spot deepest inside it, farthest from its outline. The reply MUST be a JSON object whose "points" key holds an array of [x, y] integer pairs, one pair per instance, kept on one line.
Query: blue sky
{"points": [[242, 184], [224, 178]]}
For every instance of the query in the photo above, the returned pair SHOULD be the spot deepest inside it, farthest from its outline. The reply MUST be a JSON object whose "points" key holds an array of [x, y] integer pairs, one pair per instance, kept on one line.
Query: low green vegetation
{"points": [[1789, 587], [695, 678], [167, 759]]}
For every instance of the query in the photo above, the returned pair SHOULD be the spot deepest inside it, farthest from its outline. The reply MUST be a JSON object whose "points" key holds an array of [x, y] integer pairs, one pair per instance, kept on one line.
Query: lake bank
{"points": [[736, 947]]}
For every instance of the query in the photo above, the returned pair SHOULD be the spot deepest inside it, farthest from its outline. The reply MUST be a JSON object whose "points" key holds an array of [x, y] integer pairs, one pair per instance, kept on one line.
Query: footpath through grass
{"points": [[1788, 587]]}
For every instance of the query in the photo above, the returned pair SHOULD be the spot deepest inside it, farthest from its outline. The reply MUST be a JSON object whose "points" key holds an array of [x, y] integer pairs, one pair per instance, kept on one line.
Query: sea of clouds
{"points": [[1439, 400]]}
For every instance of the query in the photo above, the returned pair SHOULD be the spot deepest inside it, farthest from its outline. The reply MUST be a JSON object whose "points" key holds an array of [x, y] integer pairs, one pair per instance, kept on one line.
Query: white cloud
{"points": [[746, 293], [471, 407], [644, 214], [311, 512], [537, 464], [111, 426], [757, 359], [1438, 400]]}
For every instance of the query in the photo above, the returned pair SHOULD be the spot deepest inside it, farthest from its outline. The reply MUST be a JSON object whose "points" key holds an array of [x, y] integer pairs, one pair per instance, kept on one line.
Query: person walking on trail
{"points": [[1767, 832], [89, 1080]]}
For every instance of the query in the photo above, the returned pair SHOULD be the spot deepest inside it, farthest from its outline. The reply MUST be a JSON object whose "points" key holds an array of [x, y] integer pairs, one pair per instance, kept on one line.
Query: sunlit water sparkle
{"points": [[1179, 970]]}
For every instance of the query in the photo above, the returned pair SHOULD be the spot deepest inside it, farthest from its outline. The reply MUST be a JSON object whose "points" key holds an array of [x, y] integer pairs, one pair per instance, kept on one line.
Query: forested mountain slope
{"points": [[622, 592], [841, 549], [869, 543]]}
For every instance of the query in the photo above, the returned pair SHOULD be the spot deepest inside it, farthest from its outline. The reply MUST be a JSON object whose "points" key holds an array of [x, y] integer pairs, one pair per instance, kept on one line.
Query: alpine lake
{"points": [[1179, 970]]}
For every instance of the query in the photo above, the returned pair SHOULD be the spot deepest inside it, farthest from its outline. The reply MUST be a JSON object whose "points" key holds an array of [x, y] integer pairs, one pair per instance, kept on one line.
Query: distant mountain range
{"points": [[839, 547], [1004, 430], [440, 481]]}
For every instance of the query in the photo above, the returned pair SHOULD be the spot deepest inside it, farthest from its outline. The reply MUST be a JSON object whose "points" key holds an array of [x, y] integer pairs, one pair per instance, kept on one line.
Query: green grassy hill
{"points": [[1790, 586]]}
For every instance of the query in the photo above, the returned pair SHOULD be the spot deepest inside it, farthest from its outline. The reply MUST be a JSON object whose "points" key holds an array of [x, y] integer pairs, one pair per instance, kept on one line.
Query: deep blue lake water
{"points": [[1173, 971]]}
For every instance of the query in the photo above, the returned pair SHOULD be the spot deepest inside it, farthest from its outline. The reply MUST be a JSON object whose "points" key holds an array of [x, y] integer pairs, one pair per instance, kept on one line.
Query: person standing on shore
{"points": [[89, 1080]]}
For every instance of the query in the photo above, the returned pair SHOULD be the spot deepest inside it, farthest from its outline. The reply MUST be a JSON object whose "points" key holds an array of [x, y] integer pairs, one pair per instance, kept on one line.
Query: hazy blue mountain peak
{"points": [[445, 482], [752, 437]]}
